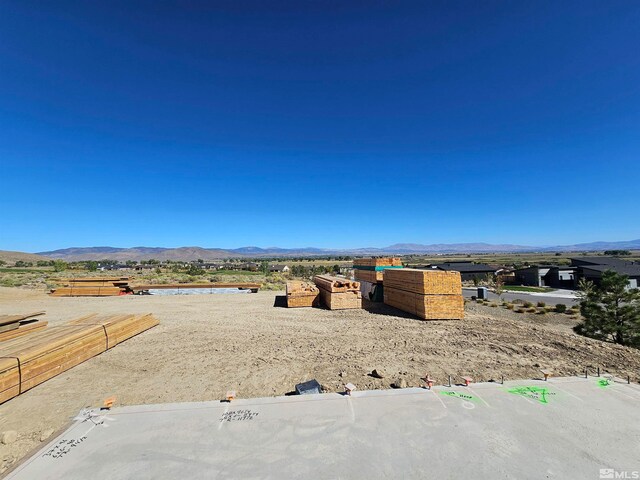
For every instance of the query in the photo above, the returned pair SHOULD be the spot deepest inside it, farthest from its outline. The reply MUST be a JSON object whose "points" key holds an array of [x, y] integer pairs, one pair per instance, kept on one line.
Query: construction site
{"points": [[391, 352]]}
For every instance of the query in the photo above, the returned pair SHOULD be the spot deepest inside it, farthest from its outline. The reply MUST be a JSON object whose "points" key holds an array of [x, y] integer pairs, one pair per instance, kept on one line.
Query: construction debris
{"points": [[338, 293], [427, 294], [92, 287], [302, 294], [32, 359]]}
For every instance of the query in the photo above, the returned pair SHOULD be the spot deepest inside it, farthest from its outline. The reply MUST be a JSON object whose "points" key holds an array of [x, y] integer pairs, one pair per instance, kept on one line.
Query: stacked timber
{"points": [[12, 326], [372, 269], [302, 294], [92, 287], [32, 359], [338, 293], [427, 294]]}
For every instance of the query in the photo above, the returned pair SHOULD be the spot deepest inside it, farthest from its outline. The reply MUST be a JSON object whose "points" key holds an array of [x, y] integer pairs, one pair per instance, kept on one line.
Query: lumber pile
{"points": [[302, 294], [372, 269], [32, 359], [12, 326], [338, 293], [254, 287], [92, 287], [427, 294]]}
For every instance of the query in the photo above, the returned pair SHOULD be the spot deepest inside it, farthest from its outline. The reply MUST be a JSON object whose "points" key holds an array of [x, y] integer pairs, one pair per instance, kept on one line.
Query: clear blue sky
{"points": [[329, 124]]}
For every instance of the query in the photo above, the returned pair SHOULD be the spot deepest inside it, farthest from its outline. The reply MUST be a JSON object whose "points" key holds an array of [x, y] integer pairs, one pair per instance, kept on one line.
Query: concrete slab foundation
{"points": [[563, 428]]}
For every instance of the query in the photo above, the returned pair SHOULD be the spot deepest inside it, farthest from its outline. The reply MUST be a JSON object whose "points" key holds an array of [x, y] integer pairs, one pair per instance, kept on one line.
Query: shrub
{"points": [[527, 304], [542, 311], [473, 298], [493, 304], [532, 309], [519, 310], [509, 306], [541, 304], [561, 308]]}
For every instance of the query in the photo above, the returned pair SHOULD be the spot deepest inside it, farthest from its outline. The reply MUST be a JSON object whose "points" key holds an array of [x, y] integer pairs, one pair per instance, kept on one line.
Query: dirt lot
{"points": [[208, 344]]}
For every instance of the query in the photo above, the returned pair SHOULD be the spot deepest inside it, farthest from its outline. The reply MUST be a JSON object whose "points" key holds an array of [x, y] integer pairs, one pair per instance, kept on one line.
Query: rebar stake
{"points": [[449, 380]]}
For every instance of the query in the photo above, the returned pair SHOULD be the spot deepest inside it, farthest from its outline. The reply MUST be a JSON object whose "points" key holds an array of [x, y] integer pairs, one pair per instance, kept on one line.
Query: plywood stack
{"points": [[338, 293], [302, 294], [32, 359], [428, 294], [372, 269], [12, 326], [92, 287]]}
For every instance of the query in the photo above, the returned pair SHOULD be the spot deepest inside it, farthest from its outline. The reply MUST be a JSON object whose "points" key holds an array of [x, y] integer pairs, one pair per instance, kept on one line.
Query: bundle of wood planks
{"points": [[428, 294], [92, 287], [302, 294], [338, 293], [372, 269], [13, 326], [32, 359]]}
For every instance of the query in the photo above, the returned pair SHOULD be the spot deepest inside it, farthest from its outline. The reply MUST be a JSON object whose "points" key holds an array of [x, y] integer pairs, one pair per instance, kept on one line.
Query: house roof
{"points": [[630, 270], [603, 260], [465, 267]]}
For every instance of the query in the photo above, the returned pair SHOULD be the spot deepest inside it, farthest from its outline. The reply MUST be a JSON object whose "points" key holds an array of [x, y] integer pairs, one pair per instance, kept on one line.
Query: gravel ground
{"points": [[208, 344]]}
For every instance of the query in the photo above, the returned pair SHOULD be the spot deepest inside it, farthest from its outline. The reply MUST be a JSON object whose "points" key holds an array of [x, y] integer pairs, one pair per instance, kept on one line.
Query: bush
{"points": [[509, 306], [474, 298], [493, 304], [561, 308], [532, 310], [519, 310], [541, 304], [541, 311], [527, 304]]}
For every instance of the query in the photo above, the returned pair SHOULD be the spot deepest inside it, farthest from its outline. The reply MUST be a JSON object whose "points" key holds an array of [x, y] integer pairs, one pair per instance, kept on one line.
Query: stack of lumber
{"points": [[32, 359], [13, 326], [428, 294], [92, 287], [302, 294], [338, 293], [372, 269]]}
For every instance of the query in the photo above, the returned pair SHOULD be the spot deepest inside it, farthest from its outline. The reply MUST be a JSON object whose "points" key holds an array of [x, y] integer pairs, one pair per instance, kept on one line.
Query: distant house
{"points": [[468, 270], [592, 268], [547, 276], [279, 268]]}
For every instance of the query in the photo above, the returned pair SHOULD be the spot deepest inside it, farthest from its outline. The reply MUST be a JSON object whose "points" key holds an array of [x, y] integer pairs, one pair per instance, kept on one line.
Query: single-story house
{"points": [[278, 268]]}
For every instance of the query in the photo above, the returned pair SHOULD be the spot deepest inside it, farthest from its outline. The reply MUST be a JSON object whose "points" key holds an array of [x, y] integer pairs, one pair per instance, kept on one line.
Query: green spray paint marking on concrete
{"points": [[462, 396], [603, 382], [536, 393]]}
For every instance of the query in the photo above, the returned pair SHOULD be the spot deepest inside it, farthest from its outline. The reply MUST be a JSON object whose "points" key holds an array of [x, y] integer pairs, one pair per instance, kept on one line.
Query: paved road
{"points": [[527, 297]]}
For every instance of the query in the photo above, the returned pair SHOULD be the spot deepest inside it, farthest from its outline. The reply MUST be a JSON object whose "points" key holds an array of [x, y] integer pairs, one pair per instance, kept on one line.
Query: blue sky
{"points": [[328, 124]]}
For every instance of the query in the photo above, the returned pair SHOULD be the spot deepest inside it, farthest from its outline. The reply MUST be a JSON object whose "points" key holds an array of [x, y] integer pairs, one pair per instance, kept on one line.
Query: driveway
{"points": [[567, 297]]}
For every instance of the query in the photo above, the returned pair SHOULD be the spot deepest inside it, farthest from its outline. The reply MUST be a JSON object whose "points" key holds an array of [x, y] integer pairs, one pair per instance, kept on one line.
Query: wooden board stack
{"points": [[338, 293], [302, 294], [13, 326], [92, 287], [428, 294], [32, 359], [372, 269]]}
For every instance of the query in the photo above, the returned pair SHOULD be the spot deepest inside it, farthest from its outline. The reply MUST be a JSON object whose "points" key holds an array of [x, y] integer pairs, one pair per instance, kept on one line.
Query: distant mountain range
{"points": [[194, 253]]}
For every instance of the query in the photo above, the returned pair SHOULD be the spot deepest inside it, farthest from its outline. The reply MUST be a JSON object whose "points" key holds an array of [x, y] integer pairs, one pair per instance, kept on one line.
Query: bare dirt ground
{"points": [[208, 344]]}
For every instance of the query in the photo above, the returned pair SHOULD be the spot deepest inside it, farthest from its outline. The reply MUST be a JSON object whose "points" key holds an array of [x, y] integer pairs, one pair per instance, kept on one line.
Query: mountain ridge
{"points": [[195, 252]]}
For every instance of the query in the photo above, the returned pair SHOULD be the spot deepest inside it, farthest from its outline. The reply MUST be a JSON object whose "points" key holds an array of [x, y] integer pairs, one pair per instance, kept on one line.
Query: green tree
{"points": [[611, 310], [91, 266], [59, 265], [194, 269]]}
